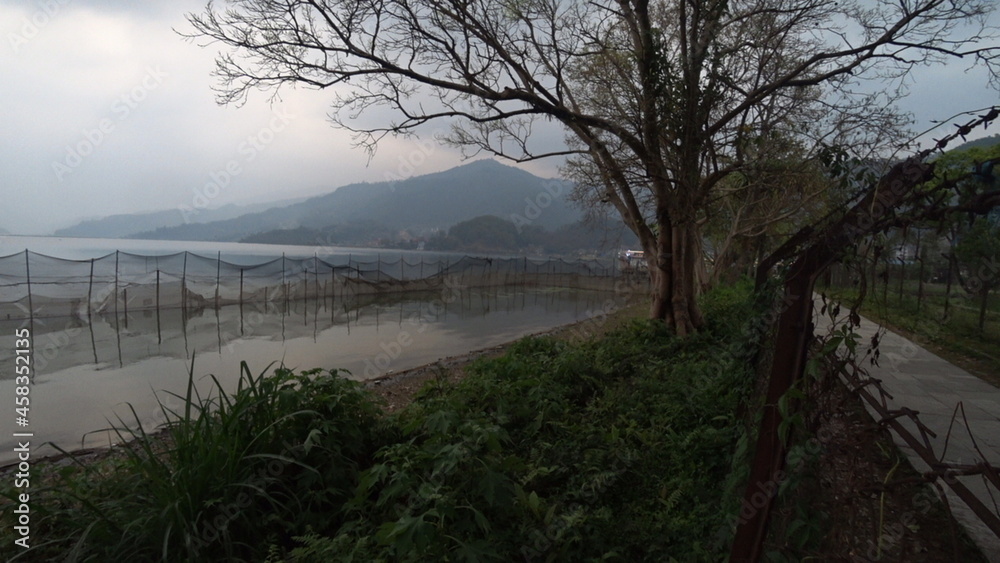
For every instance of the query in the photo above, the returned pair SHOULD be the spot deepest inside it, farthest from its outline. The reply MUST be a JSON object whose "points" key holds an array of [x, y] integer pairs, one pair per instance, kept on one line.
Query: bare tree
{"points": [[659, 97]]}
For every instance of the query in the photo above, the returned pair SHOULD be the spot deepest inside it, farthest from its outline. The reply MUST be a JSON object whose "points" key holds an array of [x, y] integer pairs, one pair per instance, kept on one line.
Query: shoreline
{"points": [[395, 389]]}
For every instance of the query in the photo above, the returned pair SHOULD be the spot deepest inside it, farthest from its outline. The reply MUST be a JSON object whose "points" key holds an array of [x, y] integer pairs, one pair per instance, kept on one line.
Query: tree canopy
{"points": [[661, 101]]}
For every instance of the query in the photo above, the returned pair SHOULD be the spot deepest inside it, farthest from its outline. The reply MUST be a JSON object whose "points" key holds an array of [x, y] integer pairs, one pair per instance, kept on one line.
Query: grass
{"points": [[615, 448], [954, 336]]}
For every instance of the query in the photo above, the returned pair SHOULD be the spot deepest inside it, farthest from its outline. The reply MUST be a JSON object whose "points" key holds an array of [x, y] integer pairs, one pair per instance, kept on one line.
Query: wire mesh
{"points": [[36, 285]]}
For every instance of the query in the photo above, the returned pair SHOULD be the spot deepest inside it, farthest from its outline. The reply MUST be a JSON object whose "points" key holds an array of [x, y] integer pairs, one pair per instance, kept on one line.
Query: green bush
{"points": [[613, 449], [281, 453]]}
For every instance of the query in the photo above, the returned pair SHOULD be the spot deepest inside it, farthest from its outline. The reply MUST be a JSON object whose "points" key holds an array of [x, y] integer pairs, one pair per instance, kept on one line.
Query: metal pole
{"points": [[159, 334], [184, 283], [116, 286], [218, 278], [31, 306], [90, 290]]}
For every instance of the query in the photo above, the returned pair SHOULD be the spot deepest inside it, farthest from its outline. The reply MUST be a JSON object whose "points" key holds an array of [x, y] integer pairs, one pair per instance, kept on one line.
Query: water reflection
{"points": [[87, 371]]}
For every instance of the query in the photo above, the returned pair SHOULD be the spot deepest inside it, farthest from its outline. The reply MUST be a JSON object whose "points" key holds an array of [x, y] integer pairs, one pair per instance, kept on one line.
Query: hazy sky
{"points": [[106, 110]]}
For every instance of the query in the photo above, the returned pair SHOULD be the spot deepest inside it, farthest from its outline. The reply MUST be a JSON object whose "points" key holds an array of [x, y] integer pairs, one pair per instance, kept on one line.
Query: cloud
{"points": [[114, 80], [110, 111]]}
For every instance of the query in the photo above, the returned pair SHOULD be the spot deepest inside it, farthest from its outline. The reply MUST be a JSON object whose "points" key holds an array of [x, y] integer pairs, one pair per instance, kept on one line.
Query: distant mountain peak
{"points": [[419, 203]]}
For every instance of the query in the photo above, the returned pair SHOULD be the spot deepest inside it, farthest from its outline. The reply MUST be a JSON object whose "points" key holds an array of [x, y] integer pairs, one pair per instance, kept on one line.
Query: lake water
{"points": [[89, 372]]}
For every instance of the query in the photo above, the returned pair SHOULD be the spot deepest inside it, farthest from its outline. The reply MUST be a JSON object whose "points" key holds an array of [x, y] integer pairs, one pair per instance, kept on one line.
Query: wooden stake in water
{"points": [[116, 287], [31, 306], [218, 279], [159, 334], [184, 284], [90, 290]]}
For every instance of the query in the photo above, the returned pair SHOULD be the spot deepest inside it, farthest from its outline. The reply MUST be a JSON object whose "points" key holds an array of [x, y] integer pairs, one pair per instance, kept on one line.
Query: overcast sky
{"points": [[104, 109]]}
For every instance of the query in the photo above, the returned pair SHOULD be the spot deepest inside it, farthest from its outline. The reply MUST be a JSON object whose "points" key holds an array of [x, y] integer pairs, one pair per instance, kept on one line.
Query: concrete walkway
{"points": [[923, 382]]}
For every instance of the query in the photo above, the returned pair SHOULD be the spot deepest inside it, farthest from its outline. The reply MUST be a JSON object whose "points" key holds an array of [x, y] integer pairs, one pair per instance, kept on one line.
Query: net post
{"points": [[31, 306], [90, 290], [241, 287], [159, 334], [184, 283], [116, 286], [316, 275], [284, 285], [218, 278]]}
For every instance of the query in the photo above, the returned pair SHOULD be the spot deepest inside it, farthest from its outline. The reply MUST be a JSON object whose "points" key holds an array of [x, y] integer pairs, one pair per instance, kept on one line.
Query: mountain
{"points": [[125, 225], [421, 204], [985, 142]]}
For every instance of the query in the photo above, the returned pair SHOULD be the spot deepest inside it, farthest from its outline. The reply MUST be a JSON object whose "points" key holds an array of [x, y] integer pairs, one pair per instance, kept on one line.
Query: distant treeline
{"points": [[486, 233]]}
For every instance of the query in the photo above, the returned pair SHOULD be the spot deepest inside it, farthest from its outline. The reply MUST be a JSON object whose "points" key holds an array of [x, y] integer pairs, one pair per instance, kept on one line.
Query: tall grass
{"points": [[613, 449], [229, 472]]}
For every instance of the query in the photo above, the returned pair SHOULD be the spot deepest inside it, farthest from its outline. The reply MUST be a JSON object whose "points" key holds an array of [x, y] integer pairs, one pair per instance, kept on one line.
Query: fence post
{"points": [[284, 284], [159, 334], [31, 306], [90, 290], [218, 278], [184, 283], [116, 286]]}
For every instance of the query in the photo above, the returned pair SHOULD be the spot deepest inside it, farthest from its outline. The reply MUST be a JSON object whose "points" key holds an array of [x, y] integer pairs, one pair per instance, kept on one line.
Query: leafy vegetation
{"points": [[611, 449], [493, 234]]}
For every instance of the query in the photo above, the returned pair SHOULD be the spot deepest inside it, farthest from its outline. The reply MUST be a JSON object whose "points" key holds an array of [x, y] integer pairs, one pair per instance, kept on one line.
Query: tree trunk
{"points": [[679, 297], [660, 274], [674, 261]]}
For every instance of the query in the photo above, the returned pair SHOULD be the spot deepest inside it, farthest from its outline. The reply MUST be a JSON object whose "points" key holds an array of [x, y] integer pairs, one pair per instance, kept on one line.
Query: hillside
{"points": [[126, 225], [983, 143], [423, 203]]}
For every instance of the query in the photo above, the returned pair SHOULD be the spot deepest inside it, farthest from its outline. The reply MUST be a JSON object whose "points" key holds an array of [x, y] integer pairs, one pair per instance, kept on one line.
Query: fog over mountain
{"points": [[422, 204]]}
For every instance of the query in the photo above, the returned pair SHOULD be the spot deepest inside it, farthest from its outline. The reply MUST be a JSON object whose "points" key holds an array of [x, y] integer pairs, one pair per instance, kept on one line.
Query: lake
{"points": [[90, 370]]}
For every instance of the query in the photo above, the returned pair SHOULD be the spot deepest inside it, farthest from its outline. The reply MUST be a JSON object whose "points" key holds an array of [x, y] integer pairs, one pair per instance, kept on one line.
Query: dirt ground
{"points": [[874, 505]]}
